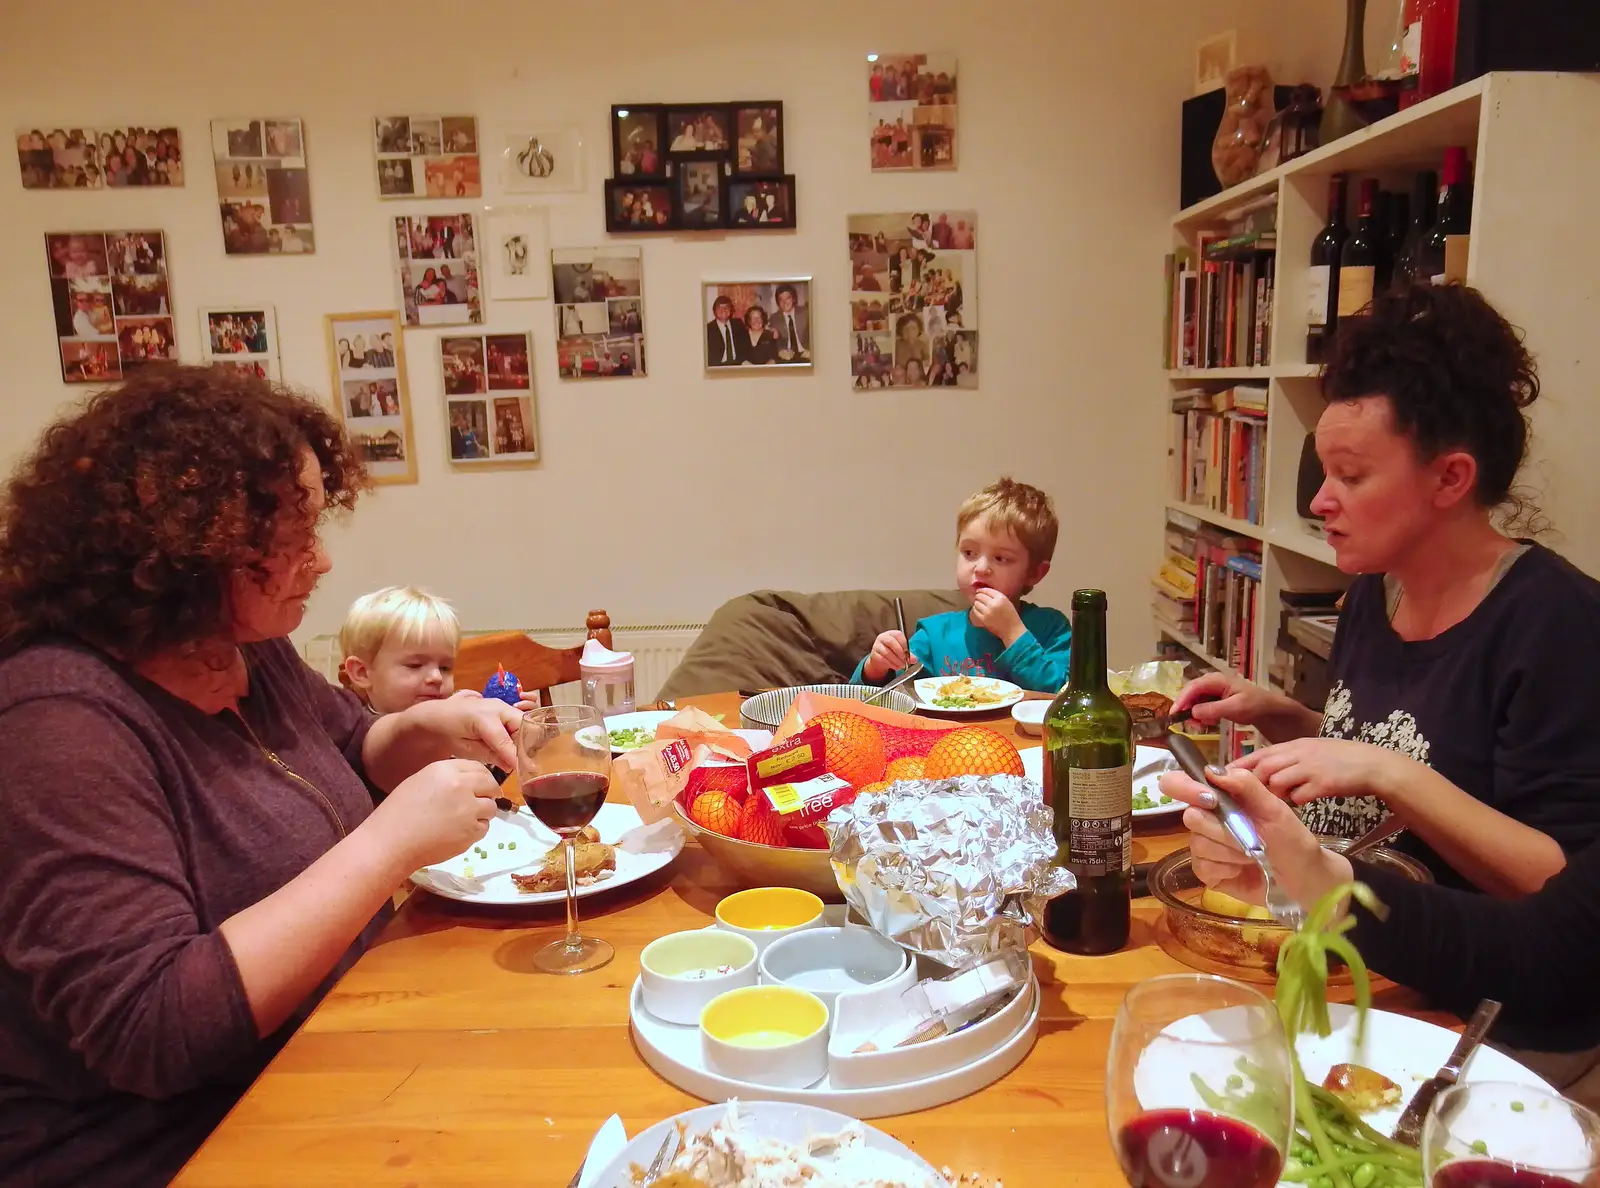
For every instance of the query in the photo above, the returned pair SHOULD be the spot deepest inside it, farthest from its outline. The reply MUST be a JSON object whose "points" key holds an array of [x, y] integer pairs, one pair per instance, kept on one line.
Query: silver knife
{"points": [[1409, 1129]]}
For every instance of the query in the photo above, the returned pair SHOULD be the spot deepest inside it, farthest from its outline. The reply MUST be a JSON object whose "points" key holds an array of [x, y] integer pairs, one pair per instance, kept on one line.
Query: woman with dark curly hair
{"points": [[193, 854], [1454, 702]]}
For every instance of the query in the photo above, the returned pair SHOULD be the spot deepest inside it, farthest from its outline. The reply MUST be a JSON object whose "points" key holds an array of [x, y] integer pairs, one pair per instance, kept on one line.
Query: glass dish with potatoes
{"points": [[1217, 933]]}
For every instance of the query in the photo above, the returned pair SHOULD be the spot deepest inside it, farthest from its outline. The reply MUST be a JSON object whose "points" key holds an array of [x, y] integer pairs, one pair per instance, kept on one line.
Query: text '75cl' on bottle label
{"points": [[1100, 820]]}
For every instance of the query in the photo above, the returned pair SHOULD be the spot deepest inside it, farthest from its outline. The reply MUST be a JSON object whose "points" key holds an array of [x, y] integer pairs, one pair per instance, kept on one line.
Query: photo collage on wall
{"points": [[911, 106], [489, 404], [243, 338], [112, 303], [437, 269], [699, 167], [757, 323], [428, 156], [369, 382], [263, 188], [914, 299], [97, 158], [599, 296]]}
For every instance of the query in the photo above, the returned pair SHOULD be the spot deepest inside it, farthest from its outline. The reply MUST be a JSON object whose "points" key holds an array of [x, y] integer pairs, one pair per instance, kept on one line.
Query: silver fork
{"points": [[664, 1156]]}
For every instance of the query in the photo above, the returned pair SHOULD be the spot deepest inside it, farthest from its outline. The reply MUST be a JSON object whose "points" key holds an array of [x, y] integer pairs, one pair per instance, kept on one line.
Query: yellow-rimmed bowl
{"points": [[767, 1035], [763, 914]]}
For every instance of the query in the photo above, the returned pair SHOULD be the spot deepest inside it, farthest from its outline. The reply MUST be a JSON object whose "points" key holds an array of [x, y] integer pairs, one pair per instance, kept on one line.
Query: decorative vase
{"points": [[1339, 118], [1243, 130]]}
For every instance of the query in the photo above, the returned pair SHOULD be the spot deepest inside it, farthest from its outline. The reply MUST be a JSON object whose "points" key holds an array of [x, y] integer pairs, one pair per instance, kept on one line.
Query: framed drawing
{"points": [[763, 323], [515, 247], [488, 390], [542, 160], [370, 392], [244, 338]]}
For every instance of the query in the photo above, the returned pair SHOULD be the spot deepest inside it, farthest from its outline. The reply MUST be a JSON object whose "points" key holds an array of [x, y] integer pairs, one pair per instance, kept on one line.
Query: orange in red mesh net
{"points": [[717, 811], [972, 750], [909, 767], [758, 823], [735, 780], [854, 746]]}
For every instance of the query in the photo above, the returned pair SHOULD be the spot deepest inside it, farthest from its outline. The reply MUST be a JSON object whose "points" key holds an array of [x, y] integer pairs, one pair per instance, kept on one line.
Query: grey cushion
{"points": [[773, 638]]}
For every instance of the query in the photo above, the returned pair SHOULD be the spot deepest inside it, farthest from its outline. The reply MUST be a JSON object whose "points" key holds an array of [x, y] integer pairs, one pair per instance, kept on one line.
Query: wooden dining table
{"points": [[443, 1058]]}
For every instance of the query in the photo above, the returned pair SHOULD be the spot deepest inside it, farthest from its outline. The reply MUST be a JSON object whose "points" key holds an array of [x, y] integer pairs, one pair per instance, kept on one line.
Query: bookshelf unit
{"points": [[1532, 253]]}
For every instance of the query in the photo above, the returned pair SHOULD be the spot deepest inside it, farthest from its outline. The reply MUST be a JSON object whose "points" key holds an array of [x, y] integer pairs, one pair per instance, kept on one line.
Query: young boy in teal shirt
{"points": [[1005, 537]]}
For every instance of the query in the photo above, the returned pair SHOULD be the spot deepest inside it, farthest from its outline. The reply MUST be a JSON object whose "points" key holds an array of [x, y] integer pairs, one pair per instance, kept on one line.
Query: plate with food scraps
{"points": [[629, 732], [789, 1144], [519, 852], [1148, 764], [1376, 1078], [965, 694]]}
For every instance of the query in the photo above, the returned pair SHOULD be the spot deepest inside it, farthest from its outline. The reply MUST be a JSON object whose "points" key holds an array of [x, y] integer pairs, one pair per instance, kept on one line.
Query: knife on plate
{"points": [[609, 1140], [1409, 1129]]}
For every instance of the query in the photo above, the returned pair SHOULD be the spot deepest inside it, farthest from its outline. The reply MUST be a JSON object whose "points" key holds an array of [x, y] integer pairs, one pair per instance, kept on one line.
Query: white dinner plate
{"points": [[1144, 757], [927, 691], [1408, 1051], [766, 1119], [518, 842]]}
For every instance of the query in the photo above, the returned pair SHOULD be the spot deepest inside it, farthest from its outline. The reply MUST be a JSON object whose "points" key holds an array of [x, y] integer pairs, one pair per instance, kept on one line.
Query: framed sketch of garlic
{"points": [[543, 159]]}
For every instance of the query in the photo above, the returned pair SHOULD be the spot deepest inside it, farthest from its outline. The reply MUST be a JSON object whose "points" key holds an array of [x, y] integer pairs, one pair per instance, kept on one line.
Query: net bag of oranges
{"points": [[866, 747]]}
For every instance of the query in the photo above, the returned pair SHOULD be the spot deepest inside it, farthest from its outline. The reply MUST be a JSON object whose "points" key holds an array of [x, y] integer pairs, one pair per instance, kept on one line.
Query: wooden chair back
{"points": [[538, 667]]}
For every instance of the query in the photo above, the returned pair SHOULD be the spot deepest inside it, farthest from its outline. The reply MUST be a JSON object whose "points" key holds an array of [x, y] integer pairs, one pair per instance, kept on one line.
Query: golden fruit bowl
{"points": [[1206, 939], [756, 865]]}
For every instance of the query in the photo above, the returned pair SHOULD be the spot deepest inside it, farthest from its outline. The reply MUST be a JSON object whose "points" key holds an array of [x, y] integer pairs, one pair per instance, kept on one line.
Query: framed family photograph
{"points": [[758, 128], [764, 205], [428, 156], [698, 129], [639, 206], [914, 299], [489, 404], [516, 246], [545, 160], [637, 137], [911, 106], [599, 299], [370, 392], [97, 158], [112, 303], [244, 338], [263, 188], [700, 194], [757, 323], [436, 268]]}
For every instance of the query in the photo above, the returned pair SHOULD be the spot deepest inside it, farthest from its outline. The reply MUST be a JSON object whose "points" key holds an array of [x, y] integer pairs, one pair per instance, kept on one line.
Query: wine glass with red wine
{"points": [[1199, 1085], [564, 769], [1493, 1134]]}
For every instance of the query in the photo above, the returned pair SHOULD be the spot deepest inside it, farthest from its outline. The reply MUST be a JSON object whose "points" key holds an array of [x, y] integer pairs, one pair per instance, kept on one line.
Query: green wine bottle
{"points": [[1088, 781]]}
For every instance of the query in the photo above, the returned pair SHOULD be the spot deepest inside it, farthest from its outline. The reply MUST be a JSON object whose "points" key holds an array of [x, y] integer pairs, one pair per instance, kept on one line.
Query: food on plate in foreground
{"points": [[593, 861], [966, 693], [729, 1156]]}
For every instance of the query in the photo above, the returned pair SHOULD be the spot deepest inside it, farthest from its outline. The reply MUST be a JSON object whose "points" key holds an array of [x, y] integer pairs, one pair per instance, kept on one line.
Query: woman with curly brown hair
{"points": [[192, 851]]}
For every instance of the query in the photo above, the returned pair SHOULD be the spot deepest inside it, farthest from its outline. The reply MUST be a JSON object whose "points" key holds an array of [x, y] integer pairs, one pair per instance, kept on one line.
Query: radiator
{"points": [[656, 652]]}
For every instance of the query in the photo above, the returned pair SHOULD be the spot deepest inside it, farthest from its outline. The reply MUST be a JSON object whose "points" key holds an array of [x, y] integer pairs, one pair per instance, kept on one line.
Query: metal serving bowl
{"points": [[765, 711], [756, 865], [1232, 940]]}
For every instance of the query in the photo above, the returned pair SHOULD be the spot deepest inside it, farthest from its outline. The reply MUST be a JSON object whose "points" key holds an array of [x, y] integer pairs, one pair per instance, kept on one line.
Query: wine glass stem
{"points": [[574, 941]]}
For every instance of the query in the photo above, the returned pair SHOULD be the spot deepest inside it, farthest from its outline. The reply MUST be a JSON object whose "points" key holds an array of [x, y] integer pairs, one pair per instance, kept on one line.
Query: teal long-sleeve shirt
{"points": [[951, 645]]}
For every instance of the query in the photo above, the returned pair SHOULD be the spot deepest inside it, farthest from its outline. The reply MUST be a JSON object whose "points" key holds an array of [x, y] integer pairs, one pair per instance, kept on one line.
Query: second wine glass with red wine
{"points": [[1199, 1085], [564, 769], [1494, 1134]]}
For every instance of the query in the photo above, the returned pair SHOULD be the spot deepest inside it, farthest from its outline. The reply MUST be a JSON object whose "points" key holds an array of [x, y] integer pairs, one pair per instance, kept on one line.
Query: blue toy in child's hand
{"points": [[504, 686]]}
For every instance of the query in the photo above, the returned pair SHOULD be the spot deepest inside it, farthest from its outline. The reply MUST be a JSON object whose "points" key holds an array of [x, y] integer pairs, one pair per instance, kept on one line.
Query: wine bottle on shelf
{"points": [[1424, 204], [1436, 71], [1088, 781], [1322, 282], [1444, 252], [1396, 226], [1364, 259]]}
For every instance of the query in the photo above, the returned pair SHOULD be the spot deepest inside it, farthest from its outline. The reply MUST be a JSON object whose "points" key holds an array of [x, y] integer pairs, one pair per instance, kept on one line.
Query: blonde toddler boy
{"points": [[399, 646]]}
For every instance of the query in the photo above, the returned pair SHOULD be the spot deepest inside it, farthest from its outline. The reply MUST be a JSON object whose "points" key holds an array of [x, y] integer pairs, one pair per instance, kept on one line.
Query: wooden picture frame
{"points": [[643, 206], [759, 203], [372, 396], [638, 141], [755, 159]]}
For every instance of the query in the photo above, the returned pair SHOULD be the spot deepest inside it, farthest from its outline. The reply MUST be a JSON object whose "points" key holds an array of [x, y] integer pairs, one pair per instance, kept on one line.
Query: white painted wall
{"points": [[659, 498]]}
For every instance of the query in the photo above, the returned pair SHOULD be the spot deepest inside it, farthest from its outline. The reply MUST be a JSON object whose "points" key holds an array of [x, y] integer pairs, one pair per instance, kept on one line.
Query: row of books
{"points": [[1219, 298], [1217, 451], [1208, 591]]}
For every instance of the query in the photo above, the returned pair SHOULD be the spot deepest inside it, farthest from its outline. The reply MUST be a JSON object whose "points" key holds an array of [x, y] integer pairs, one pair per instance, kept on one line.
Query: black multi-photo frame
{"points": [[699, 167]]}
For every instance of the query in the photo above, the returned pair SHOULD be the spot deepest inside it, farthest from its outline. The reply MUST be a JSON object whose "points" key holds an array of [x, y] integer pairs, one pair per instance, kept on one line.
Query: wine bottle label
{"points": [[1317, 280], [1355, 288], [1100, 820], [1455, 257]]}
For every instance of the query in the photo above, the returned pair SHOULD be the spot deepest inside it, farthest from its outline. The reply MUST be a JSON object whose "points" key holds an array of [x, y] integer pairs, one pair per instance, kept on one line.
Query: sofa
{"points": [[772, 638]]}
